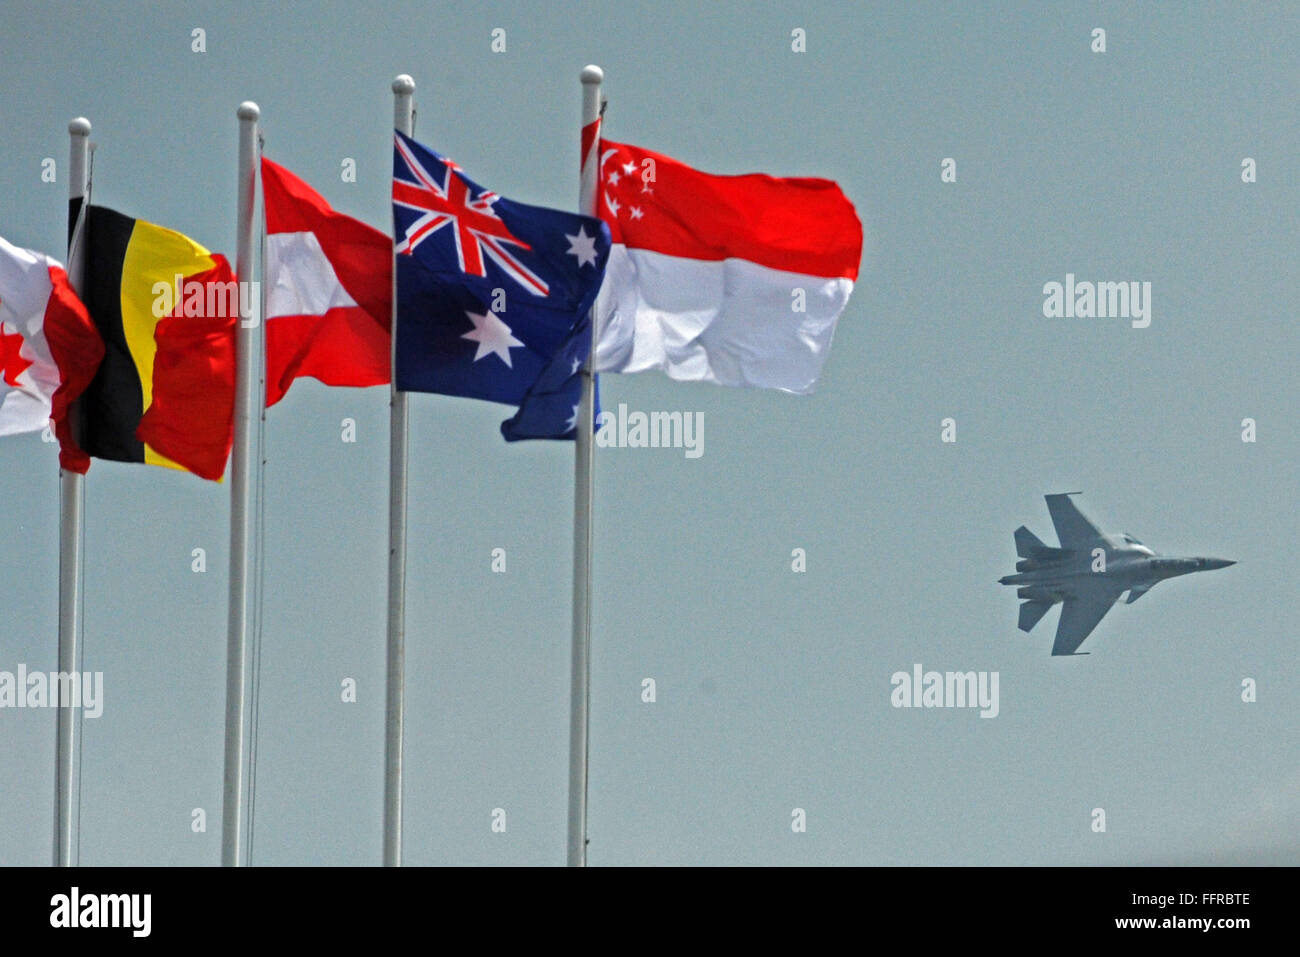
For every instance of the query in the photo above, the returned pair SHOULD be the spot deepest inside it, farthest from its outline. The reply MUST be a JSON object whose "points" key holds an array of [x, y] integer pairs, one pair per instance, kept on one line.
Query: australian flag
{"points": [[493, 296], [550, 409]]}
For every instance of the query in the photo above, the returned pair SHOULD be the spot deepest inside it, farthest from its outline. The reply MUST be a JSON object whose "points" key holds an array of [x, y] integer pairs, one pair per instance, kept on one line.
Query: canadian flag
{"points": [[49, 349], [329, 297], [737, 280]]}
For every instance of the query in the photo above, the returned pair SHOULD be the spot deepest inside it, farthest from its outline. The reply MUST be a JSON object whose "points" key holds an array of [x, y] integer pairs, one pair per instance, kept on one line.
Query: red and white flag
{"points": [[736, 280], [329, 296], [49, 349]]}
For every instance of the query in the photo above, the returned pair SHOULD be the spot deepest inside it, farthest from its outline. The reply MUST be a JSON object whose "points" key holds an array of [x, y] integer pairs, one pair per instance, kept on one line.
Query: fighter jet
{"points": [[1086, 573]]}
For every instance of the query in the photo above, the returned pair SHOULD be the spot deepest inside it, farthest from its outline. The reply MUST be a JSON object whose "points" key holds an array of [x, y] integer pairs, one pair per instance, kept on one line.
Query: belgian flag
{"points": [[167, 311]]}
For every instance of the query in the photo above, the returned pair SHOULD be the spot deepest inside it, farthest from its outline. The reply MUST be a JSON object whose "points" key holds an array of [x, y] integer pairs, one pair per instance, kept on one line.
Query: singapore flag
{"points": [[736, 280]]}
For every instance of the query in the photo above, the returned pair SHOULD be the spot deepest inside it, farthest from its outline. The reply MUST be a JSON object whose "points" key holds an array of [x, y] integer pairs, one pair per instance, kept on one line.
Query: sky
{"points": [[773, 687]]}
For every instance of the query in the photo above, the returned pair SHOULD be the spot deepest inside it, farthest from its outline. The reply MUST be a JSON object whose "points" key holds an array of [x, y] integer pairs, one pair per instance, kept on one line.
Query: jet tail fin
{"points": [[1028, 544], [1033, 553], [1135, 593], [1031, 613]]}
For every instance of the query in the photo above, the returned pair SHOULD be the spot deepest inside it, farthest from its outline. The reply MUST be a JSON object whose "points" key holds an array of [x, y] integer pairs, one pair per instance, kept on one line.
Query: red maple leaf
{"points": [[12, 365]]}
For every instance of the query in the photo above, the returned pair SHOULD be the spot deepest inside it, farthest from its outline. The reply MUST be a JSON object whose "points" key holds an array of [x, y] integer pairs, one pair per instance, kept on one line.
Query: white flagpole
{"points": [[72, 506], [243, 480], [403, 87], [580, 677]]}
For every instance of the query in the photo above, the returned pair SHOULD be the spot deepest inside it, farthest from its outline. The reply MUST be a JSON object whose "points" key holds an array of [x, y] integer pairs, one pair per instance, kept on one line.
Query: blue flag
{"points": [[550, 408], [492, 295]]}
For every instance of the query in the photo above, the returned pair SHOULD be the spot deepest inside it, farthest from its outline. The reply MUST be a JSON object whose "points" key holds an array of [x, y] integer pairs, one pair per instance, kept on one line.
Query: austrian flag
{"points": [[329, 283], [736, 280]]}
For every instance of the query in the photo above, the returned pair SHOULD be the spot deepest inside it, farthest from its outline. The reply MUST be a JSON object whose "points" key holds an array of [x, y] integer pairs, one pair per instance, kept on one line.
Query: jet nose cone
{"points": [[1212, 563]]}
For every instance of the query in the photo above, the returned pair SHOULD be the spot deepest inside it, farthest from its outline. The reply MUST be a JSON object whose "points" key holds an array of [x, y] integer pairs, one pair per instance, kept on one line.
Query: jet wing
{"points": [[1080, 614], [1073, 531]]}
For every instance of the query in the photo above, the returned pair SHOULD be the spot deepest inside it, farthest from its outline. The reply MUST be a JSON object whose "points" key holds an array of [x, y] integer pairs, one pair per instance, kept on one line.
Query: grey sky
{"points": [[773, 687]]}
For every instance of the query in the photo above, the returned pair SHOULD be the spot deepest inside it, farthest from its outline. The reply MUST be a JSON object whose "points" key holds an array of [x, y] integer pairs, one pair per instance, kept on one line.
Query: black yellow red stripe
{"points": [[132, 271]]}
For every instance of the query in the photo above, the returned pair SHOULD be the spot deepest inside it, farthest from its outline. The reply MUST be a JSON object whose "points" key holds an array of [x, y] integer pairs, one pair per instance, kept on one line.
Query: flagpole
{"points": [[580, 676], [403, 88], [72, 507], [244, 458]]}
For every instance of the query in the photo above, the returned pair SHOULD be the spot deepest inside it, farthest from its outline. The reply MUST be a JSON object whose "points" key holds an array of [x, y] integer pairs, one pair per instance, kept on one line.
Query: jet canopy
{"points": [[1137, 546]]}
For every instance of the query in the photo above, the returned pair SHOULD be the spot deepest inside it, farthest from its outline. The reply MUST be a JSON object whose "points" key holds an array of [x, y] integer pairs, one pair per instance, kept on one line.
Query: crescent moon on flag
{"points": [[604, 157]]}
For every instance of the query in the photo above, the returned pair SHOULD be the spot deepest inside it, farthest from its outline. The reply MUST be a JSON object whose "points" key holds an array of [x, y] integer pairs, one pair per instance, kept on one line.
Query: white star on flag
{"points": [[577, 364], [613, 178], [582, 246], [613, 204], [636, 212], [573, 420], [492, 335], [629, 167]]}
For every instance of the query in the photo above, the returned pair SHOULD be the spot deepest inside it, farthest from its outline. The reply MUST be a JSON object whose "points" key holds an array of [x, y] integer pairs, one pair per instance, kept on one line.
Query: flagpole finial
{"points": [[402, 83], [248, 110], [79, 127], [592, 74]]}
